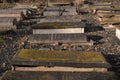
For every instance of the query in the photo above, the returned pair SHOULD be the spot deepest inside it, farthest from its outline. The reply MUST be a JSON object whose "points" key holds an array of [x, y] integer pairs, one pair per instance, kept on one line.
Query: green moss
{"points": [[74, 56], [57, 25]]}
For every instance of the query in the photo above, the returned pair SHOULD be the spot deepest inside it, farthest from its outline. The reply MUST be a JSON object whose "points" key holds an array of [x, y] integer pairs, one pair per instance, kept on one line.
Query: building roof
{"points": [[107, 9], [63, 8], [25, 75], [111, 20], [7, 5], [58, 25], [60, 19], [7, 23], [7, 19], [104, 14], [58, 2], [55, 38], [102, 4], [59, 11], [60, 58], [15, 11], [10, 11]]}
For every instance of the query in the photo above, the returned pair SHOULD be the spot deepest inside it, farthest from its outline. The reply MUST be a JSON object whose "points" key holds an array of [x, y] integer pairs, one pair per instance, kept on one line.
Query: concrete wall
{"points": [[66, 69], [118, 33], [58, 31]]}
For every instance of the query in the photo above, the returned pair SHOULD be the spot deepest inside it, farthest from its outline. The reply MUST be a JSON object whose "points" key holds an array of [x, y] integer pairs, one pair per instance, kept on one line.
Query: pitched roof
{"points": [[58, 25], [25, 75], [7, 19], [55, 38], [60, 19], [60, 58]]}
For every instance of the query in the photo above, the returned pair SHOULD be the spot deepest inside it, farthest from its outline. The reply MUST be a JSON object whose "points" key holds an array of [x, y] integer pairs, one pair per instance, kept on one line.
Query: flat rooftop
{"points": [[107, 9], [62, 8], [60, 11], [26, 75], [55, 38], [59, 58], [59, 19], [58, 25]]}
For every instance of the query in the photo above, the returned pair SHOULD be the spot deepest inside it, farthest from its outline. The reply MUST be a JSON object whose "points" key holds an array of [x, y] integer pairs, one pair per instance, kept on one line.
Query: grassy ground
{"points": [[73, 56]]}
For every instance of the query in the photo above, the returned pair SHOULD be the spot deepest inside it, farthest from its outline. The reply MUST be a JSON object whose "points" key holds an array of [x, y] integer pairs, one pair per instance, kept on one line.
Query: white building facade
{"points": [[58, 31], [118, 33]]}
